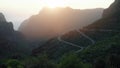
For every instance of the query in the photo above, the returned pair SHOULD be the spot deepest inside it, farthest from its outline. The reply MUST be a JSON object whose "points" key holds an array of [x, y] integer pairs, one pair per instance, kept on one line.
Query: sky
{"points": [[19, 10]]}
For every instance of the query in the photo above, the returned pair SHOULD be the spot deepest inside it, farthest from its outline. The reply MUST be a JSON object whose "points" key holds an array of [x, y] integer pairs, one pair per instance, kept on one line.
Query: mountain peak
{"points": [[2, 18], [53, 22]]}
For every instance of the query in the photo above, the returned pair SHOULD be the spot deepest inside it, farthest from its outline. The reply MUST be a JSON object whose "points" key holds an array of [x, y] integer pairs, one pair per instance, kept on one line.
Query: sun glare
{"points": [[54, 3]]}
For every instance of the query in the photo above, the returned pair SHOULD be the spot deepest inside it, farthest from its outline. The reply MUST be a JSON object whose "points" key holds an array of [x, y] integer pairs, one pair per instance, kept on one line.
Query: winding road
{"points": [[81, 48], [87, 37], [92, 41], [69, 43]]}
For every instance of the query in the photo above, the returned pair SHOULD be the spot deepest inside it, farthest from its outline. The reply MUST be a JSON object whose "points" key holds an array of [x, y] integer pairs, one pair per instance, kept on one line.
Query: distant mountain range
{"points": [[53, 22]]}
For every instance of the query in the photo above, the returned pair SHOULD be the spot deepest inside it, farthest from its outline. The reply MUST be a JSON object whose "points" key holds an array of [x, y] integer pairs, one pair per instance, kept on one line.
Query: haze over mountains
{"points": [[99, 35], [53, 22], [96, 45]]}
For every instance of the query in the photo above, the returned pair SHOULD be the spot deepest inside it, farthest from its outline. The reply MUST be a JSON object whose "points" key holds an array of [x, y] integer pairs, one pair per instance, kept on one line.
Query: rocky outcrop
{"points": [[12, 42], [113, 10], [110, 19], [50, 23], [2, 18]]}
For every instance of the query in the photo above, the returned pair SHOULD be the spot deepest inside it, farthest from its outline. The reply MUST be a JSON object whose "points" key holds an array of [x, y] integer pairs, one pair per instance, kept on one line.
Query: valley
{"points": [[65, 38]]}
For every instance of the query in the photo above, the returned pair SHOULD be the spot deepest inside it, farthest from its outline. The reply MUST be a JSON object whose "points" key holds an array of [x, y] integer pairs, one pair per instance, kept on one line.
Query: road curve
{"points": [[92, 41], [81, 48], [69, 43]]}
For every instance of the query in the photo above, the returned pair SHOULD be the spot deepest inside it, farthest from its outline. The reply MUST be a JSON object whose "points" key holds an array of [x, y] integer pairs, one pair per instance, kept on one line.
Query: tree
{"points": [[39, 62], [12, 63], [72, 61]]}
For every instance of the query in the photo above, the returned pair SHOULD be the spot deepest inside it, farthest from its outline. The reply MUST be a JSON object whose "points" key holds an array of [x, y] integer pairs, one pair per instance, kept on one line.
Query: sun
{"points": [[54, 3]]}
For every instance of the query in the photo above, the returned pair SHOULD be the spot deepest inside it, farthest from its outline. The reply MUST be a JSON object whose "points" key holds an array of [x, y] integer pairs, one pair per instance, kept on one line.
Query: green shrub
{"points": [[72, 61], [12, 63]]}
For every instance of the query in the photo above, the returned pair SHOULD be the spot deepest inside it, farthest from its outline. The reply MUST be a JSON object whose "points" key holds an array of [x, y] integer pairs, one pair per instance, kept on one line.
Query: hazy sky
{"points": [[18, 10]]}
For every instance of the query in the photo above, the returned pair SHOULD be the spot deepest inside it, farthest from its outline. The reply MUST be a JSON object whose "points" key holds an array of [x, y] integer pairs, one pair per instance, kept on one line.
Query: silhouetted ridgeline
{"points": [[53, 22], [12, 42], [94, 46], [113, 10], [111, 18], [2, 18]]}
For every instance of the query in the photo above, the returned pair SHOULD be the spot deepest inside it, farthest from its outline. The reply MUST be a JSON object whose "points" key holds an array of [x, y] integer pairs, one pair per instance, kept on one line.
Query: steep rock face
{"points": [[2, 18], [11, 42], [50, 23], [113, 10], [110, 19], [111, 45]]}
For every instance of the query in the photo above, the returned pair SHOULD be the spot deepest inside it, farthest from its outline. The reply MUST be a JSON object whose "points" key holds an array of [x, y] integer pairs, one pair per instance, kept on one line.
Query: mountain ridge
{"points": [[2, 18], [12, 43], [49, 22], [102, 29]]}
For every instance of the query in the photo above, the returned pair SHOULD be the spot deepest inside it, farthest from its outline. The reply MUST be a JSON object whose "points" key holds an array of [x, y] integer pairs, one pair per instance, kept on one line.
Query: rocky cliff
{"points": [[12, 42], [110, 19], [113, 10], [2, 18]]}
